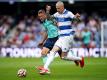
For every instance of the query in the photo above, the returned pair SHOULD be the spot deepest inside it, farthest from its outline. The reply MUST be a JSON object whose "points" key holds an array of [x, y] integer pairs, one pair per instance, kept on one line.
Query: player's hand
{"points": [[77, 15], [48, 8], [40, 44]]}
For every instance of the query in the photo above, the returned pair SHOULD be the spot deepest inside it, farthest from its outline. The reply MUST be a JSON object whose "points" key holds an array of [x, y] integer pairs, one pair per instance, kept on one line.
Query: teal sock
{"points": [[44, 58]]}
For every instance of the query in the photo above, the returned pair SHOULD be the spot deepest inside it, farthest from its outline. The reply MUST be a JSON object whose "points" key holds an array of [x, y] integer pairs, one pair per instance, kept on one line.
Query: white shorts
{"points": [[65, 43]]}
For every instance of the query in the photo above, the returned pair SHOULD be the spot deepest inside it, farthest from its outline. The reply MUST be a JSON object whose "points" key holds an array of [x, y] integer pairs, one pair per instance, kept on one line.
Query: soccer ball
{"points": [[22, 73]]}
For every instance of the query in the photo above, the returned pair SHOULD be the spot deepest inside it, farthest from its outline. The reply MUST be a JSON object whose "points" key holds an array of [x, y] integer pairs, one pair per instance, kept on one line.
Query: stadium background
{"points": [[21, 29], [19, 20]]}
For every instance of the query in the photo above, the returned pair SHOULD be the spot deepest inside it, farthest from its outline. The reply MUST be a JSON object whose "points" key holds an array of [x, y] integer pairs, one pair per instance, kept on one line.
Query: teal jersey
{"points": [[86, 37], [51, 29]]}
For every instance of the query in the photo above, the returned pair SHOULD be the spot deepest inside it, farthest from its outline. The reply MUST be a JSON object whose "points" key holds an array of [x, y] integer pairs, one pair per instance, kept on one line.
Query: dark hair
{"points": [[41, 11]]}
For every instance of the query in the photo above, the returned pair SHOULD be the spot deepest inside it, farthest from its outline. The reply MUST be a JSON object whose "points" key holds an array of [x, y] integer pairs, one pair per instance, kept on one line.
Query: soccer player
{"points": [[63, 18], [50, 34]]}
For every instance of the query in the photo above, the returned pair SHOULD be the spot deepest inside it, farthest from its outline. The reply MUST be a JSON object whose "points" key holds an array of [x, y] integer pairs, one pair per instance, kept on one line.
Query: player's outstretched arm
{"points": [[76, 17], [48, 8], [50, 17]]}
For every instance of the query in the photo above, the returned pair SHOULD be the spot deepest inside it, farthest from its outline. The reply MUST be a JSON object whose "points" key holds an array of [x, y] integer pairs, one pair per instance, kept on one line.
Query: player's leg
{"points": [[66, 45], [48, 46], [69, 55], [55, 49], [45, 50], [51, 57], [50, 42], [44, 54], [76, 59], [49, 60], [60, 53]]}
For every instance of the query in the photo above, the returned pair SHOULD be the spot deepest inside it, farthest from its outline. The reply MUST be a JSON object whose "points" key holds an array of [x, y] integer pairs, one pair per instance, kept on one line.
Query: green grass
{"points": [[95, 69]]}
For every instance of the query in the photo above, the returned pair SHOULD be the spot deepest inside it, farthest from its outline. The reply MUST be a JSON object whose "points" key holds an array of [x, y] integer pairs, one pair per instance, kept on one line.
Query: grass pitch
{"points": [[95, 69]]}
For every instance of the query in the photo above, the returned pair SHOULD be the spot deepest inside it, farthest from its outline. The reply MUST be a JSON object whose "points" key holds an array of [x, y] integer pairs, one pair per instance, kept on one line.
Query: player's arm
{"points": [[44, 35], [48, 8], [75, 17], [50, 17]]}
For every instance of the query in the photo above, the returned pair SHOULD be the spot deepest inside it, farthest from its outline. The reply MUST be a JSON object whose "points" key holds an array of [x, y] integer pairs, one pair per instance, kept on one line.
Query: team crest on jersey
{"points": [[65, 48]]}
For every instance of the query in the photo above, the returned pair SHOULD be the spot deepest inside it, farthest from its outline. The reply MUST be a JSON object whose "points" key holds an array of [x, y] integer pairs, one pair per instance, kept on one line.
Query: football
{"points": [[21, 73]]}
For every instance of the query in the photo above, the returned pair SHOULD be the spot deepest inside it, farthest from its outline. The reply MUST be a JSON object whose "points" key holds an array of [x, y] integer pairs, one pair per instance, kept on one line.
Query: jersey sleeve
{"points": [[71, 15], [43, 28], [54, 15]]}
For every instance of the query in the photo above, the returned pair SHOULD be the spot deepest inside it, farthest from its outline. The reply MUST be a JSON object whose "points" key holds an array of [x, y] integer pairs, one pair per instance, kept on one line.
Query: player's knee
{"points": [[55, 49], [44, 52]]}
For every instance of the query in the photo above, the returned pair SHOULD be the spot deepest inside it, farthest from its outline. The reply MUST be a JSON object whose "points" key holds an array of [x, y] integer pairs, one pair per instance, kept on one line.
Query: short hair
{"points": [[41, 11], [59, 3]]}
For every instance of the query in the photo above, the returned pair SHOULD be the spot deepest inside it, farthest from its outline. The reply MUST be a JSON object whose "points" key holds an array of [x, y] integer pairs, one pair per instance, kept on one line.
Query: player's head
{"points": [[60, 6], [42, 15]]}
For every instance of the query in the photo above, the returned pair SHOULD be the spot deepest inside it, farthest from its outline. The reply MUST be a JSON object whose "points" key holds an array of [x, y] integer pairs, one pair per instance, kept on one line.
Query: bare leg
{"points": [[51, 56], [44, 54]]}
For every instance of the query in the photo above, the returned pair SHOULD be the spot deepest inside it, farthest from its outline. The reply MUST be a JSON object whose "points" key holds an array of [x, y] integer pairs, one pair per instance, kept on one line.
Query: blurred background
{"points": [[20, 27], [21, 31]]}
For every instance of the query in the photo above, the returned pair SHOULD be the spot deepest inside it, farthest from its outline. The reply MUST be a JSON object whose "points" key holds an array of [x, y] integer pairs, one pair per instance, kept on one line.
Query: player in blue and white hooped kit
{"points": [[63, 18]]}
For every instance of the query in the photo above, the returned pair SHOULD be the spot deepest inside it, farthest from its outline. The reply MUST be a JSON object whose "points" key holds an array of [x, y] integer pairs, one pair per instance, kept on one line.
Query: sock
{"points": [[44, 58], [49, 59], [72, 57], [71, 52]]}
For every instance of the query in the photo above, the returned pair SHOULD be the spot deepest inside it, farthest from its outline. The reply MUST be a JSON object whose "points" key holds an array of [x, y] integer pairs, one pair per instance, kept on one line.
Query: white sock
{"points": [[72, 58], [49, 59]]}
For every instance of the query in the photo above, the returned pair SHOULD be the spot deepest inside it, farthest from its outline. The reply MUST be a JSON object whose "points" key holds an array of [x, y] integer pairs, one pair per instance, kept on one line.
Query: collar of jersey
{"points": [[64, 11]]}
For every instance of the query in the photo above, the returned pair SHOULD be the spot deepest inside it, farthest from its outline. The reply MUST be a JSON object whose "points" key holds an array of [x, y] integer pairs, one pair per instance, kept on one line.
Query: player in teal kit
{"points": [[50, 34]]}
